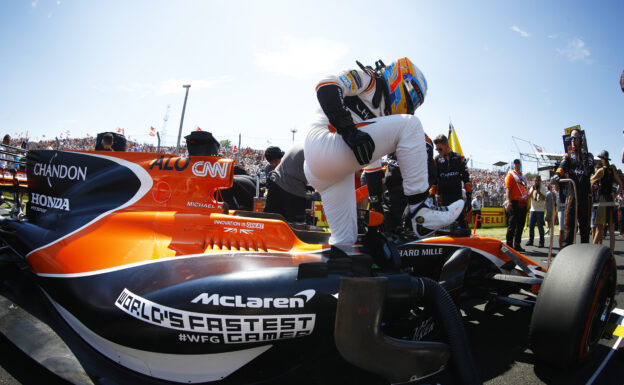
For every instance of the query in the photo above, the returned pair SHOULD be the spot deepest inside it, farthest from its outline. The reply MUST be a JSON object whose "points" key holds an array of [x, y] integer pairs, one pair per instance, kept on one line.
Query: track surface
{"points": [[498, 342]]}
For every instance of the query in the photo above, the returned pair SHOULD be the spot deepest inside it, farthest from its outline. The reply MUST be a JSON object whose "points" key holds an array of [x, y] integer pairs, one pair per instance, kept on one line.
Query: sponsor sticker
{"points": [[419, 252], [170, 163], [247, 225], [356, 78], [216, 328], [449, 174], [46, 201], [352, 80], [215, 169], [346, 81], [201, 205], [60, 172]]}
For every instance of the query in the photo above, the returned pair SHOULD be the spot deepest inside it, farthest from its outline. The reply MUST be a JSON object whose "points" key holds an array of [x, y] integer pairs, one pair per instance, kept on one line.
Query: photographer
{"points": [[536, 217]]}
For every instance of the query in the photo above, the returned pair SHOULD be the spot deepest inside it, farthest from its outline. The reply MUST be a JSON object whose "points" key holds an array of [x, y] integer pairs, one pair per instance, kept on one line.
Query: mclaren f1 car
{"points": [[142, 261]]}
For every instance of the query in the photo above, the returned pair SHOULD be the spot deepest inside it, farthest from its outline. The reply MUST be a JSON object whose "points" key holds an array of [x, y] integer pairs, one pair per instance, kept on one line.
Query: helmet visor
{"points": [[413, 90]]}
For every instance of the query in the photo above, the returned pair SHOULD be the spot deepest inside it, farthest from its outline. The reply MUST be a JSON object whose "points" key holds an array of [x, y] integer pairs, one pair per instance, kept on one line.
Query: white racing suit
{"points": [[330, 164]]}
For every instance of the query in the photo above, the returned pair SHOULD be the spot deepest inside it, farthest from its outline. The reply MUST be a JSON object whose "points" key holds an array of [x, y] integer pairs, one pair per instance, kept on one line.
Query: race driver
{"points": [[366, 114]]}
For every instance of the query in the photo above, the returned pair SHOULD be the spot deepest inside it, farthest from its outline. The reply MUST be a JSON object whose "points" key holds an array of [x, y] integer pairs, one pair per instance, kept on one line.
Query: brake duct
{"points": [[360, 340]]}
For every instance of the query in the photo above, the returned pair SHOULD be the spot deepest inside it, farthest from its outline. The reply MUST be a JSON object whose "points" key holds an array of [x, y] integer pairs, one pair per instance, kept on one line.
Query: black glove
{"points": [[469, 201], [360, 143], [555, 179]]}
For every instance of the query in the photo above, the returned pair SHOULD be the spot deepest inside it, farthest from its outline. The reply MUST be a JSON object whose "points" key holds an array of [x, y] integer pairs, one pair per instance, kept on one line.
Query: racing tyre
{"points": [[573, 304]]}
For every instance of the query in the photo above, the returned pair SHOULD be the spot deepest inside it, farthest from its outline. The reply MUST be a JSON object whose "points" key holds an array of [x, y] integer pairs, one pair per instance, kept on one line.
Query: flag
{"points": [[121, 131], [538, 148], [152, 131], [88, 135], [197, 128], [235, 150], [454, 141]]}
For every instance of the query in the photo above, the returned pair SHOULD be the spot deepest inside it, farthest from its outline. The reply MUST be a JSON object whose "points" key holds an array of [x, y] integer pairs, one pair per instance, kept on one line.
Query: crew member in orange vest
{"points": [[517, 194]]}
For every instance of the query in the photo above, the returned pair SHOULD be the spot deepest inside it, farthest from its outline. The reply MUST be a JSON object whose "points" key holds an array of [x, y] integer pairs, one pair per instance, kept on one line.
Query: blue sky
{"points": [[496, 69]]}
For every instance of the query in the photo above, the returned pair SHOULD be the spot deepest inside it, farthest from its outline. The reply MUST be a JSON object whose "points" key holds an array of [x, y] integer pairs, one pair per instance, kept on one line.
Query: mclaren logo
{"points": [[297, 301], [202, 169], [194, 327]]}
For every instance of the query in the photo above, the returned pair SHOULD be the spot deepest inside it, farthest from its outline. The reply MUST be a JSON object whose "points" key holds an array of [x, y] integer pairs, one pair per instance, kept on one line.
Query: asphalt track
{"points": [[498, 342]]}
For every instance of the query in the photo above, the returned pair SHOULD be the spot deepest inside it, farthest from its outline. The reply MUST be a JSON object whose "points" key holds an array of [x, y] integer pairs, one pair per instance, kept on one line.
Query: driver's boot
{"points": [[427, 218]]}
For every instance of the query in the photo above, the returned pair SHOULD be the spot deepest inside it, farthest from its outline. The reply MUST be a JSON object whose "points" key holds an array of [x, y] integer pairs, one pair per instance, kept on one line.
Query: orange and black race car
{"points": [[145, 265]]}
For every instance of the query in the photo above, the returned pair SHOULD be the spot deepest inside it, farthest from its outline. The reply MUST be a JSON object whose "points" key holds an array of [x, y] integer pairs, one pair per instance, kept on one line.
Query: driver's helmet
{"points": [[407, 86]]}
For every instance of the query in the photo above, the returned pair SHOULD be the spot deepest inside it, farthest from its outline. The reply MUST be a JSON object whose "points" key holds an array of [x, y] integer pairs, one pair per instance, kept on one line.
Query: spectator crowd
{"points": [[250, 159], [490, 185]]}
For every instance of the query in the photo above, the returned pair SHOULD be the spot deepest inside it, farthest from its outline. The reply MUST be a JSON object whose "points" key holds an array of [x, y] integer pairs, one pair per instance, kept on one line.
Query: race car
{"points": [[140, 258]]}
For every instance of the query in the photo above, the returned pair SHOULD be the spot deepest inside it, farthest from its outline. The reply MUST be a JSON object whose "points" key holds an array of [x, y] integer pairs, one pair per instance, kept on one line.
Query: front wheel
{"points": [[573, 304]]}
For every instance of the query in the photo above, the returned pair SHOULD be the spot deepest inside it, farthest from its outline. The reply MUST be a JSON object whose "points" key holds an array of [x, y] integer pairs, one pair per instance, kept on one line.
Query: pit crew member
{"points": [[452, 173], [577, 165], [287, 187], [605, 176], [517, 195]]}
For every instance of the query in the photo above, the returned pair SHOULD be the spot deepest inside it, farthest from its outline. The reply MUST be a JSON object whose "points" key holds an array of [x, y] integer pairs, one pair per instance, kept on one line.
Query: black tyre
{"points": [[571, 309]]}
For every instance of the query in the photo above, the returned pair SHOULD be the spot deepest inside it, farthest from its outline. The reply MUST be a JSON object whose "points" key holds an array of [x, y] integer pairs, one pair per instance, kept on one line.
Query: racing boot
{"points": [[426, 218]]}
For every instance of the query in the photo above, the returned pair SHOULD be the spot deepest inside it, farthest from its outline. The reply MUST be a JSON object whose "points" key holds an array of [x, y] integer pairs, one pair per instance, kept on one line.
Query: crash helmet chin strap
{"points": [[381, 87]]}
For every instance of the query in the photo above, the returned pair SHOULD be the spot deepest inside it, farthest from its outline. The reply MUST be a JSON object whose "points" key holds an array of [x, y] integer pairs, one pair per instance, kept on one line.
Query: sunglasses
{"points": [[575, 138], [439, 149]]}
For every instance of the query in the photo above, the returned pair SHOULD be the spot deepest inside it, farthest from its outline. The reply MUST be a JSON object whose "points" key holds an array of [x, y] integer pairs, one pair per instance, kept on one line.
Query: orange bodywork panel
{"points": [[177, 215], [483, 244], [132, 237], [487, 245]]}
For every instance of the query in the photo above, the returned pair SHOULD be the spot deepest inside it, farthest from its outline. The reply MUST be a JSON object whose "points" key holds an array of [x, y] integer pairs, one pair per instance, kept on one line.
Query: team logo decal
{"points": [[216, 328], [297, 301]]}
